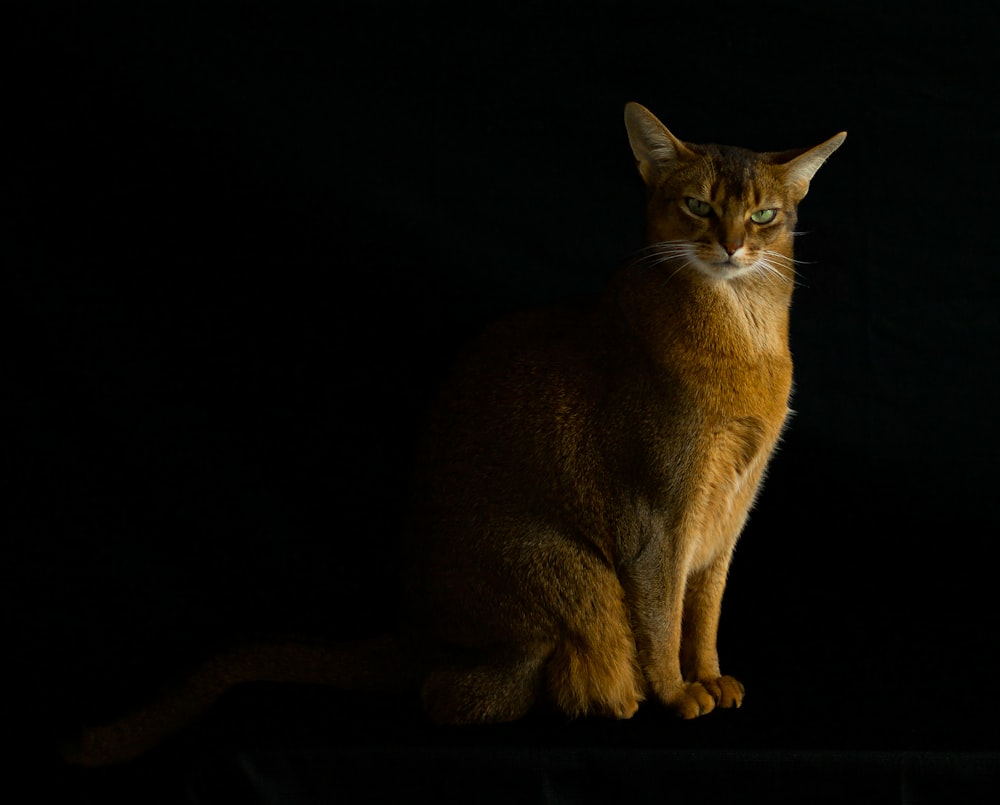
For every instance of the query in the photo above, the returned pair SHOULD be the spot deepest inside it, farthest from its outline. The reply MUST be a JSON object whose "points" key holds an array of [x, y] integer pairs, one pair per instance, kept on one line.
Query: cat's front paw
{"points": [[726, 690], [691, 700]]}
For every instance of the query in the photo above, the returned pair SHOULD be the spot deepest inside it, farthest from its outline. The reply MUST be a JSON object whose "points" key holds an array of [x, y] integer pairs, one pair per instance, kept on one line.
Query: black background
{"points": [[243, 241]]}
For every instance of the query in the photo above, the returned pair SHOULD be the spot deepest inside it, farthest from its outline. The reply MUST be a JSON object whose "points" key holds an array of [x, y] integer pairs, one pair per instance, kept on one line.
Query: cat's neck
{"points": [[742, 321]]}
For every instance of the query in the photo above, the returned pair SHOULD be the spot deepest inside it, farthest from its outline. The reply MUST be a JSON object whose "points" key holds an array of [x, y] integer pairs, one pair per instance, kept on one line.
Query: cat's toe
{"points": [[626, 710], [726, 690], [691, 701]]}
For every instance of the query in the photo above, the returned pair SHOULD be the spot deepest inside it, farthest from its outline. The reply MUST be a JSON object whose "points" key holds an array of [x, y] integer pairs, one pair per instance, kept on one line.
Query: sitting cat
{"points": [[585, 476]]}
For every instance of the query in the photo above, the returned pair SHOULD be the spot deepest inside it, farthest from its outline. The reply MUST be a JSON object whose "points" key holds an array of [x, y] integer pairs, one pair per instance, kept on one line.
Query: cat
{"points": [[585, 475]]}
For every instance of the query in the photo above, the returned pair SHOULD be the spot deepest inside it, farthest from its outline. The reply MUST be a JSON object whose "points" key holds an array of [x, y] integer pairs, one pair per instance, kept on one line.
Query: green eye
{"points": [[702, 208], [763, 216]]}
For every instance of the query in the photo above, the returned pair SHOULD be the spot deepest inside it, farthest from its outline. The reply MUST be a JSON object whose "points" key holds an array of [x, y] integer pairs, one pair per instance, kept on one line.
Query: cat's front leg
{"points": [[657, 609], [699, 633]]}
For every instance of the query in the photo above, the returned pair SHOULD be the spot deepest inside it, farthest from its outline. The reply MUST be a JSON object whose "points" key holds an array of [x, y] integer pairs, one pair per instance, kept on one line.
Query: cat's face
{"points": [[724, 212]]}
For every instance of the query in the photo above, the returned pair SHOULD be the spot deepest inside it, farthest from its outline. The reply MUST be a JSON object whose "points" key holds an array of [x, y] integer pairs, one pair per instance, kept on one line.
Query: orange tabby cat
{"points": [[586, 475]]}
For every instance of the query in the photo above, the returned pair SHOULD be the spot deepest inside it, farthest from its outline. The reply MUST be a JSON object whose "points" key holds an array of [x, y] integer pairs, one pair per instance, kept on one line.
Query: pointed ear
{"points": [[801, 166], [654, 147]]}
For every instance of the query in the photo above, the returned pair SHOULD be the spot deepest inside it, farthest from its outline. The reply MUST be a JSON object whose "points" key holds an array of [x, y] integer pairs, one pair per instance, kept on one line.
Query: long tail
{"points": [[372, 665]]}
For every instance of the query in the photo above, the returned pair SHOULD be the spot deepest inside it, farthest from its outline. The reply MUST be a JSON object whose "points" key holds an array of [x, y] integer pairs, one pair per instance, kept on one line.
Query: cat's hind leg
{"points": [[594, 669]]}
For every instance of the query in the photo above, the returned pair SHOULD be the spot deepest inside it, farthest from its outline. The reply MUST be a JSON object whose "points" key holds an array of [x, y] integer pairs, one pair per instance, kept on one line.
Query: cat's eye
{"points": [[698, 207], [763, 216]]}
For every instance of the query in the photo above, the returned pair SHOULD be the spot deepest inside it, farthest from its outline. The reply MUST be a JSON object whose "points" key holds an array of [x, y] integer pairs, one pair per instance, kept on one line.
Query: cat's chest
{"points": [[712, 396]]}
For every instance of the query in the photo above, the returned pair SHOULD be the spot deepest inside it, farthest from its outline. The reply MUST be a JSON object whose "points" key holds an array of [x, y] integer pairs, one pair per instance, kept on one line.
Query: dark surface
{"points": [[241, 244]]}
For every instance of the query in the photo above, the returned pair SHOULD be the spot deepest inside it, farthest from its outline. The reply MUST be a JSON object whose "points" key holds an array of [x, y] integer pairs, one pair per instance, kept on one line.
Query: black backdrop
{"points": [[241, 243]]}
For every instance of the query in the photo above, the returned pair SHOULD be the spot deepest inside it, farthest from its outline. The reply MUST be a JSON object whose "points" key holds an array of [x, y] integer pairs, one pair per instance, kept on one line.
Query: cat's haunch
{"points": [[585, 474]]}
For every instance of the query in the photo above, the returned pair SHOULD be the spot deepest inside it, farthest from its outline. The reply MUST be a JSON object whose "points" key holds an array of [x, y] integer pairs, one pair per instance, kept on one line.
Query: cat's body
{"points": [[586, 474]]}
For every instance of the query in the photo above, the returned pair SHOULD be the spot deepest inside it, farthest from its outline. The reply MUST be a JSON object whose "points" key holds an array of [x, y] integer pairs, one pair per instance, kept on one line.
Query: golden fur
{"points": [[586, 474]]}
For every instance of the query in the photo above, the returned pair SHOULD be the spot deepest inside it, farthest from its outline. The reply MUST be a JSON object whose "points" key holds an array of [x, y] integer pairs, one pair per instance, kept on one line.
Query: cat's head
{"points": [[726, 212]]}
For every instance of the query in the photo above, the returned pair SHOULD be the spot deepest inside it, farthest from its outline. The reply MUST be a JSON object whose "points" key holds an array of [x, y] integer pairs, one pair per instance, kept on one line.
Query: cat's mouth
{"points": [[713, 263]]}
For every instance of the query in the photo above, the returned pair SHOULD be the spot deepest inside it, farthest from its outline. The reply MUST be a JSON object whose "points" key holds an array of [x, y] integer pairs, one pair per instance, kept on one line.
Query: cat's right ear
{"points": [[655, 148], [802, 165]]}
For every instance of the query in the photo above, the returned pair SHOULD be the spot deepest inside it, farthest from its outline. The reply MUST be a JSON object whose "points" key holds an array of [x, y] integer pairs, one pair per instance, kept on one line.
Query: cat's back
{"points": [[528, 387], [534, 360]]}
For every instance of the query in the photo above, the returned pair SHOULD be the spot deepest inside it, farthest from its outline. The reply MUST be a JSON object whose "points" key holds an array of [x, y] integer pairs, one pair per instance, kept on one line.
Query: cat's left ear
{"points": [[800, 166], [654, 147]]}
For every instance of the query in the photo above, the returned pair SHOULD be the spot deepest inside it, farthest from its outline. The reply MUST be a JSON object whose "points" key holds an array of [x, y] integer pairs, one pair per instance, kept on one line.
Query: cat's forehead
{"points": [[727, 170]]}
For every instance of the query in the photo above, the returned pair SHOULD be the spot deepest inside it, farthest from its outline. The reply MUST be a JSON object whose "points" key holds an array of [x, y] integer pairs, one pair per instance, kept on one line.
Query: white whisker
{"points": [[770, 266], [666, 253], [779, 257]]}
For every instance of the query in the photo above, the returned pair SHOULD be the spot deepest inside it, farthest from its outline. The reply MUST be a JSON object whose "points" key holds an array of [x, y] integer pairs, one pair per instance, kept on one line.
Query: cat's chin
{"points": [[723, 270]]}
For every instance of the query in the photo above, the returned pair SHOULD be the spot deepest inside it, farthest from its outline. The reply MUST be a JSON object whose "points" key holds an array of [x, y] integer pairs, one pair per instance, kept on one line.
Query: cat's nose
{"points": [[732, 246]]}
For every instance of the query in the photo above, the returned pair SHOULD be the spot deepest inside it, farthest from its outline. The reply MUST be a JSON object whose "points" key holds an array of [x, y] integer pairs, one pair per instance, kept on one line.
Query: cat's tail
{"points": [[376, 665]]}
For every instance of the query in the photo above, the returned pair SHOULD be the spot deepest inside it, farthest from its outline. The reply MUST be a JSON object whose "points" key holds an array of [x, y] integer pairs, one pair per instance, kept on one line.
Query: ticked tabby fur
{"points": [[586, 475]]}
